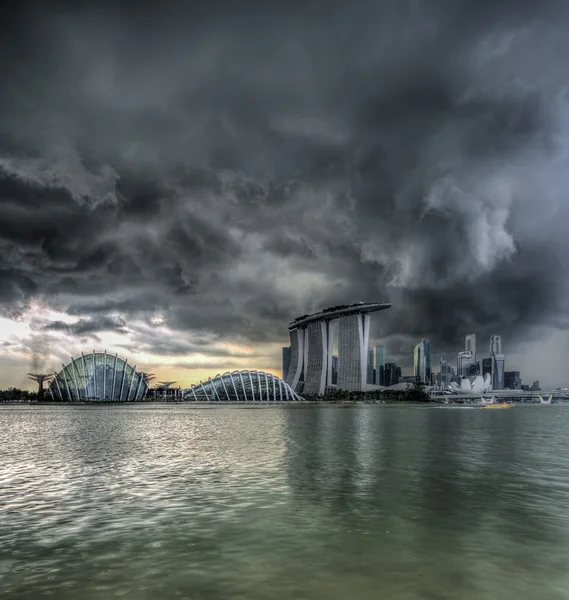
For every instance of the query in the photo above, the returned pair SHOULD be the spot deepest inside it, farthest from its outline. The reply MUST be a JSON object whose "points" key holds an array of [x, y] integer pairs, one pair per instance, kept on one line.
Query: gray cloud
{"points": [[217, 367], [168, 347], [87, 326], [234, 164]]}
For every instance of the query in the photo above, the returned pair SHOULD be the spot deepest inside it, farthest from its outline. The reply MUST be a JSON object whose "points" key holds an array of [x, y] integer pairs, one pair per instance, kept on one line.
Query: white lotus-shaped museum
{"points": [[478, 384]]}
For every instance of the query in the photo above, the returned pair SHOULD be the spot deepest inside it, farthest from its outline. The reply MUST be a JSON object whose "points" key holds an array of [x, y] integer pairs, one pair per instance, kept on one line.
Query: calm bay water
{"points": [[158, 502]]}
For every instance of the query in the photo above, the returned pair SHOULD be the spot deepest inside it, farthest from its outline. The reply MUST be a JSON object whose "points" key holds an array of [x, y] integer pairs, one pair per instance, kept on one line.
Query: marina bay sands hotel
{"points": [[313, 340]]}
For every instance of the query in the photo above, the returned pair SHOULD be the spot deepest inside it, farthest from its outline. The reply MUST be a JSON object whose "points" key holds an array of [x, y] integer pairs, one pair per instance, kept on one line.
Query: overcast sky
{"points": [[178, 181]]}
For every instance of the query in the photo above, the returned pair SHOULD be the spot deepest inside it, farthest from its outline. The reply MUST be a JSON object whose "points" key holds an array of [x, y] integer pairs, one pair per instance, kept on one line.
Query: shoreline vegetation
{"points": [[413, 395]]}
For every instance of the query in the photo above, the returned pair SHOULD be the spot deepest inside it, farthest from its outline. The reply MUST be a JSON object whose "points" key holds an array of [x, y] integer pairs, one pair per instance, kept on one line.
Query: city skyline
{"points": [[176, 187], [405, 364], [468, 364]]}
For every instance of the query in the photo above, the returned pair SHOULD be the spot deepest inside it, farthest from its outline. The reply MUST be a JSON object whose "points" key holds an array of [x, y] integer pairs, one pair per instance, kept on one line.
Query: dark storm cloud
{"points": [[234, 164], [91, 325]]}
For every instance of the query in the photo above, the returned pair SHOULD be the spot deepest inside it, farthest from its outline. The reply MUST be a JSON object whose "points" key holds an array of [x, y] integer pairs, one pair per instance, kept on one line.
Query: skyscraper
{"points": [[422, 361], [512, 380], [418, 360], [497, 362], [486, 366], [313, 339], [286, 361], [379, 362], [470, 344], [446, 373], [369, 365], [392, 374], [495, 344], [464, 362], [498, 371]]}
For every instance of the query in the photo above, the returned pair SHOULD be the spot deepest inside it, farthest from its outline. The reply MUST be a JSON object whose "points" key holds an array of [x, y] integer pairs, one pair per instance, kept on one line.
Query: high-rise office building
{"points": [[381, 376], [286, 361], [379, 362], [369, 365], [497, 362], [464, 362], [495, 344], [498, 371], [445, 373], [486, 366], [512, 380], [418, 360], [391, 374], [422, 361], [470, 344]]}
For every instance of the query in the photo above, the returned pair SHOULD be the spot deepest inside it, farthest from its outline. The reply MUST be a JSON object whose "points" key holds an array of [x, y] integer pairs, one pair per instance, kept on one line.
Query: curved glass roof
{"points": [[242, 386], [98, 376]]}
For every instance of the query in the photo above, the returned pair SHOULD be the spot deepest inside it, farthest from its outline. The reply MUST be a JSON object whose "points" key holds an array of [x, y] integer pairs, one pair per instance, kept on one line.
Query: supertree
{"points": [[39, 378]]}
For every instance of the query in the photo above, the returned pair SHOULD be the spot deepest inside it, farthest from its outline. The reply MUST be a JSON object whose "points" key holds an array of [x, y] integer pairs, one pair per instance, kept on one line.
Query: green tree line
{"points": [[18, 395], [414, 393]]}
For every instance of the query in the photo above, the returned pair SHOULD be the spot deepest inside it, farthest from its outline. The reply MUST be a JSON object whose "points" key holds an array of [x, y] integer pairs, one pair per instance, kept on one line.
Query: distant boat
{"points": [[499, 405]]}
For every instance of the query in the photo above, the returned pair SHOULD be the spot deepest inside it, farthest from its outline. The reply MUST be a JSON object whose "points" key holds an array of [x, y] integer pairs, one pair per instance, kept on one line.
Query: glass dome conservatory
{"points": [[98, 376], [242, 386]]}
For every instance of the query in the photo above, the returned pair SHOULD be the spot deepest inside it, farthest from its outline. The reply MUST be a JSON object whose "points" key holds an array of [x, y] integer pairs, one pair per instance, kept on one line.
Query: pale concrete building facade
{"points": [[313, 339]]}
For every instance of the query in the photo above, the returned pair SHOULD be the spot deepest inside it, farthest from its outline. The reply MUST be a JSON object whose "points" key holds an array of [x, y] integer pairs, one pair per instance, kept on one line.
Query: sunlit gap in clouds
{"points": [[43, 338]]}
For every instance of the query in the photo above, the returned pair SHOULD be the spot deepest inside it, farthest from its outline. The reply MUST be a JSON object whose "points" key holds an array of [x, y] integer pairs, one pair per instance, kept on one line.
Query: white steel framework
{"points": [[241, 386], [88, 377]]}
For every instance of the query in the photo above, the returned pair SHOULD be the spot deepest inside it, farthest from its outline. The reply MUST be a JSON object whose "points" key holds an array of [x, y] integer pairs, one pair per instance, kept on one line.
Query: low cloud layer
{"points": [[226, 166]]}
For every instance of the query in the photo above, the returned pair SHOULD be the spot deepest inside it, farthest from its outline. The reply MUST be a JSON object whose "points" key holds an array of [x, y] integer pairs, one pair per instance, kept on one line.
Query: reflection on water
{"points": [[321, 502]]}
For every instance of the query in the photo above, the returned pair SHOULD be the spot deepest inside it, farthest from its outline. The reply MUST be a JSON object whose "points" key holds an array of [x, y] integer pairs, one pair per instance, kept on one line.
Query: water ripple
{"points": [[169, 502]]}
